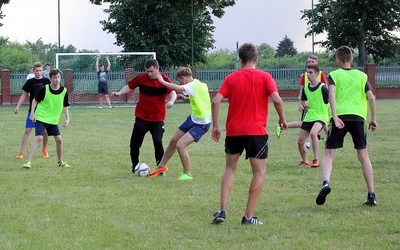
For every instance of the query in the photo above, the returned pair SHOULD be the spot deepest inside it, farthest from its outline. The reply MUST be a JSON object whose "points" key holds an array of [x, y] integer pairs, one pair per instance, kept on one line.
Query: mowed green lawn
{"points": [[100, 204]]}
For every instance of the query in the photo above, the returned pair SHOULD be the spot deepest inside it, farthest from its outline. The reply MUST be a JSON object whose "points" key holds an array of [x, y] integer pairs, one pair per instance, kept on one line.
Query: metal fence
{"points": [[286, 79]]}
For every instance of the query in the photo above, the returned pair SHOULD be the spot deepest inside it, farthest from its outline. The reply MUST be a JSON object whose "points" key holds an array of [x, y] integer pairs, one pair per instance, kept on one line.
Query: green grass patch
{"points": [[99, 204]]}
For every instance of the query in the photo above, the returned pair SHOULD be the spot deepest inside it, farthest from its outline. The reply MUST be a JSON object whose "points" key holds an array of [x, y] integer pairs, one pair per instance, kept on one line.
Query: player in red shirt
{"points": [[248, 91], [150, 110]]}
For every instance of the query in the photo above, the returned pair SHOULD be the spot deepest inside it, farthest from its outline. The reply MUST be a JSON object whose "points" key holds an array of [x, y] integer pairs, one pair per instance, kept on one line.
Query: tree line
{"points": [[181, 32], [19, 57]]}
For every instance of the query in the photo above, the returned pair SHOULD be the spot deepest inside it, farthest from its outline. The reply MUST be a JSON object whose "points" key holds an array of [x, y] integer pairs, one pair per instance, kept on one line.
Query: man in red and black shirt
{"points": [[150, 111]]}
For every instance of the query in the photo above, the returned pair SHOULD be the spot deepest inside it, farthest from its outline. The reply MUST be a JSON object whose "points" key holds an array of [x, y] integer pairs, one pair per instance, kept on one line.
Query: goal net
{"points": [[81, 79]]}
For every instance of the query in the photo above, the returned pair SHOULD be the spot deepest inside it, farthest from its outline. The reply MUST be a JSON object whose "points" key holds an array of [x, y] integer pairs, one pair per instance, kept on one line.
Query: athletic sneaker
{"points": [[185, 176], [278, 130], [27, 164], [315, 163], [304, 163], [325, 190], [158, 171], [45, 154], [252, 221], [64, 164], [219, 217], [163, 174], [371, 200], [308, 144], [20, 155]]}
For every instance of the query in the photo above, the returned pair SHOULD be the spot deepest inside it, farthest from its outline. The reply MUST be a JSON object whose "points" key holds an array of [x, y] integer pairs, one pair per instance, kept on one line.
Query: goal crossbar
{"points": [[153, 54]]}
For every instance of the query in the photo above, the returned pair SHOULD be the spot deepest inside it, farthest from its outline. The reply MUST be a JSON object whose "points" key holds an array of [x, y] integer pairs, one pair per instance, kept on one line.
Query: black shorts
{"points": [[358, 132], [52, 130], [102, 88], [308, 125], [256, 146], [303, 114]]}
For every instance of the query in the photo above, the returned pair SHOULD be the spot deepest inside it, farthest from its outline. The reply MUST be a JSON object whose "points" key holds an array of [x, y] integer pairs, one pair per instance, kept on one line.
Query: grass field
{"points": [[99, 204]]}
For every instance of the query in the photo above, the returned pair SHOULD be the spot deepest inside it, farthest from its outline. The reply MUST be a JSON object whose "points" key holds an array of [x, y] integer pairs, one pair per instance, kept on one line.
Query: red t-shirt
{"points": [[152, 96], [321, 77], [248, 91]]}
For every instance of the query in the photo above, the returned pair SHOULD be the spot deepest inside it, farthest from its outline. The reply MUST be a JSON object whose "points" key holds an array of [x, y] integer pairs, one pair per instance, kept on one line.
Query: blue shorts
{"points": [[50, 128], [29, 123], [194, 129]]}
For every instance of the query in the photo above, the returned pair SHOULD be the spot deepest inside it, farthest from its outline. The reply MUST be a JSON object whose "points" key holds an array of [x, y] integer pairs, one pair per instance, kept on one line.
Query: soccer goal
{"points": [[81, 79]]}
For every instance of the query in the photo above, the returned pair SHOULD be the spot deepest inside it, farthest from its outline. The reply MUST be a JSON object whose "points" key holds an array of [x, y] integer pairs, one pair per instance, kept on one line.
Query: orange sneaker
{"points": [[304, 163], [158, 171], [315, 163], [20, 155], [45, 154]]}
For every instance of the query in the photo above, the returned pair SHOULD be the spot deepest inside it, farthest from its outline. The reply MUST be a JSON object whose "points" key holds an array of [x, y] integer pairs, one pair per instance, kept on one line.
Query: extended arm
{"points": [[332, 101], [33, 107], [172, 99], [278, 104], [97, 63], [108, 64], [66, 112], [216, 102], [124, 90], [373, 125], [21, 99], [170, 85]]}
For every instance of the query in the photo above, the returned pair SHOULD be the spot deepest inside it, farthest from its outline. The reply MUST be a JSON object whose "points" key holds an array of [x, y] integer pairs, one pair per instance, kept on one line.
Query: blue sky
{"points": [[255, 21]]}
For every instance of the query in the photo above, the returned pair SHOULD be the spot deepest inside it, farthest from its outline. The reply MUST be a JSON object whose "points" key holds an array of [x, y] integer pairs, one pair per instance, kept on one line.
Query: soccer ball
{"points": [[142, 169]]}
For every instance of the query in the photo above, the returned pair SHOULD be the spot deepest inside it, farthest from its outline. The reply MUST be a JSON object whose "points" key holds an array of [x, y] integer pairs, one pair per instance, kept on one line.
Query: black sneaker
{"points": [[252, 221], [133, 170], [371, 200], [219, 217], [325, 190]]}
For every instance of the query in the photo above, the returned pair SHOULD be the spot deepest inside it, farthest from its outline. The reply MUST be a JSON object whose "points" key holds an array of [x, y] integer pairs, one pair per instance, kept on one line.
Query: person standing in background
{"points": [[102, 85], [31, 87], [46, 72]]}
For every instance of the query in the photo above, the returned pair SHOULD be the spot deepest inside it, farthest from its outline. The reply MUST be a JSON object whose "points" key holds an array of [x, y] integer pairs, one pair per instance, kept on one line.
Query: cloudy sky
{"points": [[255, 21]]}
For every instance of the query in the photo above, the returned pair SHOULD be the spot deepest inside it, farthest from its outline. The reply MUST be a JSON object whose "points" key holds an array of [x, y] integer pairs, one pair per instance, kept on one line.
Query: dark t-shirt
{"points": [[102, 76], [32, 87]]}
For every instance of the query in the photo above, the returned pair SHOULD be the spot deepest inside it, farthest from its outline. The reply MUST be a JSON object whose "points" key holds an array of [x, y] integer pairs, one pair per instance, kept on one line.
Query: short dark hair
{"points": [[344, 54], [54, 72], [248, 52], [314, 67], [183, 71], [151, 62]]}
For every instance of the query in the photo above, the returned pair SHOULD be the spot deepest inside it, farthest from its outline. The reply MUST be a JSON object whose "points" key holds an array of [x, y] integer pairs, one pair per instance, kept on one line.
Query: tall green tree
{"points": [[365, 25], [285, 48], [2, 2], [265, 53], [219, 59], [164, 26]]}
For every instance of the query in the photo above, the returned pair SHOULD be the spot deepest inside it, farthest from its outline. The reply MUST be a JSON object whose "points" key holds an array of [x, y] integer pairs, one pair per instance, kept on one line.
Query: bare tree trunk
{"points": [[362, 53]]}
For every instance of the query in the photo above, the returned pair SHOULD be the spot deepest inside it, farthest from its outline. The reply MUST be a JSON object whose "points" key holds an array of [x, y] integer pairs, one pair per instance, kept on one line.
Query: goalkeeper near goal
{"points": [[102, 86]]}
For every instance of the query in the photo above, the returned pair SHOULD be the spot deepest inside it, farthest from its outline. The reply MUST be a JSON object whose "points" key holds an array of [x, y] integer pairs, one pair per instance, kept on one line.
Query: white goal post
{"points": [[81, 77], [105, 54]]}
